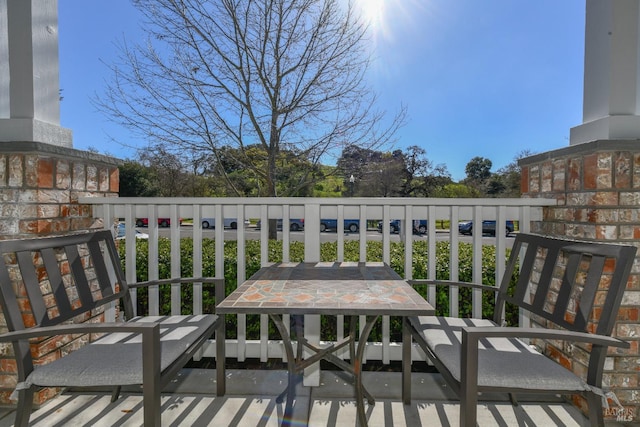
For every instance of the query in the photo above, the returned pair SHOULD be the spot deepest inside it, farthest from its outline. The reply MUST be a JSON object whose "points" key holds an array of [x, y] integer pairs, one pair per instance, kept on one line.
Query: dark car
{"points": [[419, 226], [488, 227], [352, 225], [162, 222], [296, 224]]}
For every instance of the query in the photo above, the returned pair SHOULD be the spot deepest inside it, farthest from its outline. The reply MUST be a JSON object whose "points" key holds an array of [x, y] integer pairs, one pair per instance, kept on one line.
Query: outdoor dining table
{"points": [[351, 289]]}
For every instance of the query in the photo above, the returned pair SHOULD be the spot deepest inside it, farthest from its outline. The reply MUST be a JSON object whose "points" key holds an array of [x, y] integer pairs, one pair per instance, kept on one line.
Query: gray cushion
{"points": [[502, 362], [116, 359]]}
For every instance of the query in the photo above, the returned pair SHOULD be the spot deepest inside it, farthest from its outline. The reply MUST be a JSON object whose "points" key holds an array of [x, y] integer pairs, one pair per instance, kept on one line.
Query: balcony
{"points": [[327, 400], [442, 216], [251, 401]]}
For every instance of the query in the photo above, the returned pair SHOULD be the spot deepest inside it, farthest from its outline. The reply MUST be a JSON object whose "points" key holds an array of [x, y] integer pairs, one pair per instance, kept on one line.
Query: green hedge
{"points": [[328, 252]]}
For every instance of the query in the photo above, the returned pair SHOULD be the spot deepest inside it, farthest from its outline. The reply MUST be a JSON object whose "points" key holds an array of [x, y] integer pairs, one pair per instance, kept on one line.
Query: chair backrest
{"points": [[576, 285], [46, 281]]}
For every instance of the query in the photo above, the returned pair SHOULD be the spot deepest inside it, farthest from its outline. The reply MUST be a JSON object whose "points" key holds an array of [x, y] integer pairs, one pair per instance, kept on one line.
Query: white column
{"points": [[29, 73], [611, 71]]}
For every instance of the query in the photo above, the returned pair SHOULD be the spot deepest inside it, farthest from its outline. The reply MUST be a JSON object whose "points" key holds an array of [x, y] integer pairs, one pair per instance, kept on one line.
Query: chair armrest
{"points": [[416, 282], [180, 280], [477, 332], [80, 328], [219, 284]]}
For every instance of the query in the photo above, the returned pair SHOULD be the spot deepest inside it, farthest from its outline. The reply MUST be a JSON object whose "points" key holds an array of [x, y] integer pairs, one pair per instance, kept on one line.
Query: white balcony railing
{"points": [[366, 210]]}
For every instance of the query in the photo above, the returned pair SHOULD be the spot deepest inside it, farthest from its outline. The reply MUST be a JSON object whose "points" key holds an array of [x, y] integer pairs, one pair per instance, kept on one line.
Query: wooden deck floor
{"points": [[251, 401]]}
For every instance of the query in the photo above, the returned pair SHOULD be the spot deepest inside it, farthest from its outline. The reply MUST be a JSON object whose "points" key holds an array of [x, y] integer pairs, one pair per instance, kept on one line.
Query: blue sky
{"points": [[487, 78]]}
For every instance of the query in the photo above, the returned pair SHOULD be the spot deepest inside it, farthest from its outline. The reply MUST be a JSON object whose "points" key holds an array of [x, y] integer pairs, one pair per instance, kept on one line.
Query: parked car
{"points": [[162, 222], [120, 232], [352, 225], [488, 227], [419, 226], [231, 223], [295, 224]]}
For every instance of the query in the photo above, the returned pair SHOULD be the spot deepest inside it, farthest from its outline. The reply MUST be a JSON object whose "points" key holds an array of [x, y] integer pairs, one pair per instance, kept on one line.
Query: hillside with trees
{"points": [[407, 173]]}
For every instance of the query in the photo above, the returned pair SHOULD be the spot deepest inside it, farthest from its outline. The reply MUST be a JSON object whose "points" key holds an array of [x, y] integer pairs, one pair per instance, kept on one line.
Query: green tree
{"points": [[478, 172], [478, 169], [437, 180], [456, 190], [293, 173], [136, 180], [495, 186]]}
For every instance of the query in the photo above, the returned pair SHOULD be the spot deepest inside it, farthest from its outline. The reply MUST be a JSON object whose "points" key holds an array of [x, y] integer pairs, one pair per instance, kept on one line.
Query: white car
{"points": [[296, 224], [120, 232], [231, 223]]}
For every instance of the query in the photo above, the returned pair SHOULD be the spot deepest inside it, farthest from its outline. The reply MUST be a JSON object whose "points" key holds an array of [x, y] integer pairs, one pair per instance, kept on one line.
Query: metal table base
{"points": [[296, 364]]}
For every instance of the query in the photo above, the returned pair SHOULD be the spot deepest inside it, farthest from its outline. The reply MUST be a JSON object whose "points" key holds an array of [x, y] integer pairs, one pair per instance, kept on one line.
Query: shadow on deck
{"points": [[251, 401]]}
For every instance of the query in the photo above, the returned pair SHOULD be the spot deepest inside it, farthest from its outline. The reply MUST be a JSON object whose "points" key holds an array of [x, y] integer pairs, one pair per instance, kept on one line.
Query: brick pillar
{"points": [[597, 185], [39, 189], [40, 185]]}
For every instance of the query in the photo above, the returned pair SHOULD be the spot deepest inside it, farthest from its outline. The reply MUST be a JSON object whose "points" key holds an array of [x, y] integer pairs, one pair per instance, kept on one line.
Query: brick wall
{"points": [[597, 186], [39, 188]]}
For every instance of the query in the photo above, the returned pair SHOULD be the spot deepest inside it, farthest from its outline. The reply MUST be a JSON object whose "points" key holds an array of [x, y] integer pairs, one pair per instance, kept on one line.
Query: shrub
{"points": [[328, 252]]}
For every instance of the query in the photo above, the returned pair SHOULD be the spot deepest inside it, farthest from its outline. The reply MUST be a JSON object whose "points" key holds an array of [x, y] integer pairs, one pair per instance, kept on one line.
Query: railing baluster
{"points": [[363, 233], [386, 235], [264, 235], [453, 262], [176, 297], [153, 261], [431, 254], [407, 232], [197, 258], [477, 263], [365, 209], [286, 237], [340, 231], [501, 218]]}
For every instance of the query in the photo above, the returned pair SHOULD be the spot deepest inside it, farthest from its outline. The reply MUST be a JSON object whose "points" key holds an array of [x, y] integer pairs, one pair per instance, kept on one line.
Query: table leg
{"points": [[298, 331], [297, 324], [362, 344], [351, 368], [291, 367], [407, 342], [353, 334]]}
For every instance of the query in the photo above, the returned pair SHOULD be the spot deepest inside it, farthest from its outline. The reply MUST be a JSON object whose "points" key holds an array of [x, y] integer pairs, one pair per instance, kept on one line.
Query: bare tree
{"points": [[171, 176], [287, 75], [422, 177], [511, 174], [392, 174]]}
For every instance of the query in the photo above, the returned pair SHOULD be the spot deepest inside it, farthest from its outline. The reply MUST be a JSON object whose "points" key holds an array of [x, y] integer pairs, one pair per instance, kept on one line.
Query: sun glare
{"points": [[372, 11], [387, 19]]}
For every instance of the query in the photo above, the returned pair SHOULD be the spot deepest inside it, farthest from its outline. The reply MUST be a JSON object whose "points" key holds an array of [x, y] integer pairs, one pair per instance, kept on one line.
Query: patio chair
{"points": [[45, 283], [573, 292]]}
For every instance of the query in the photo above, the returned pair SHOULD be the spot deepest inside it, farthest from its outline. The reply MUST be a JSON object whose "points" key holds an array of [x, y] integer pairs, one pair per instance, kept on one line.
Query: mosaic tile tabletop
{"points": [[348, 288]]}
